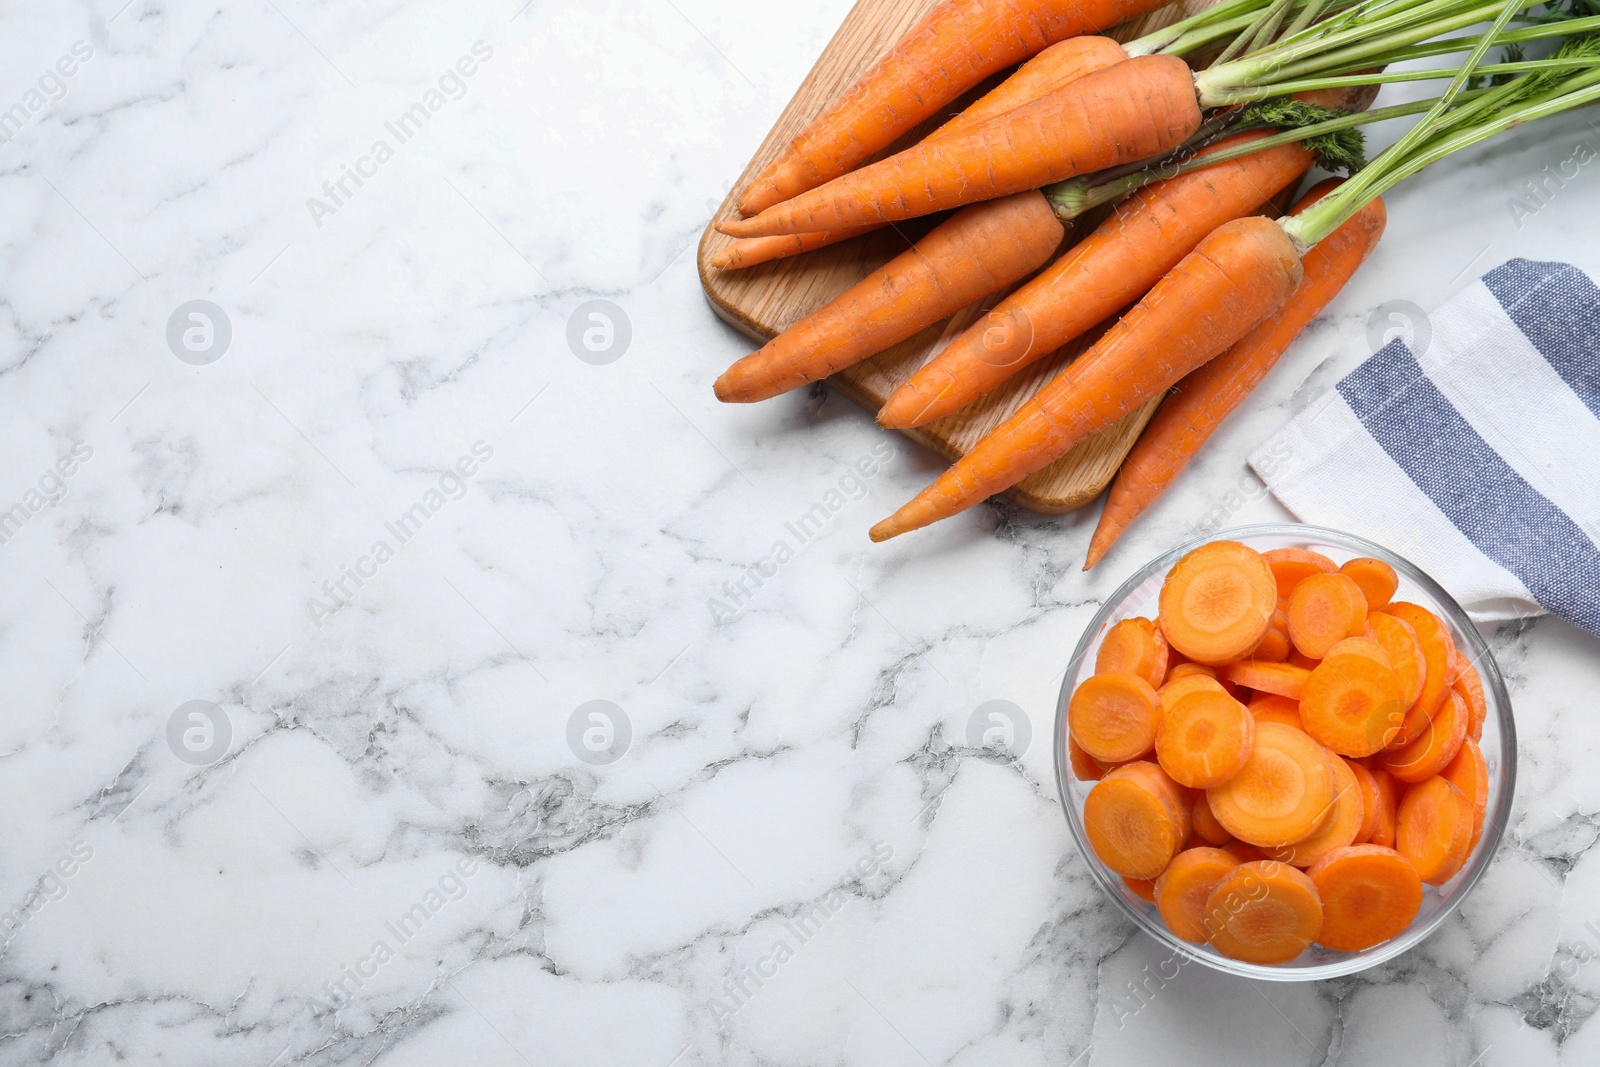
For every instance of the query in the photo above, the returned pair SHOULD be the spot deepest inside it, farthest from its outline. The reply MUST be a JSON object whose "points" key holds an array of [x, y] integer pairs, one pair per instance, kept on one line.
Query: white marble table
{"points": [[375, 514]]}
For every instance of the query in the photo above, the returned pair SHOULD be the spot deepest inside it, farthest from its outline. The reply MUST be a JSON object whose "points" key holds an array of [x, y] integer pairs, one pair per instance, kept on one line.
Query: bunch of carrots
{"points": [[1202, 292], [1284, 756]]}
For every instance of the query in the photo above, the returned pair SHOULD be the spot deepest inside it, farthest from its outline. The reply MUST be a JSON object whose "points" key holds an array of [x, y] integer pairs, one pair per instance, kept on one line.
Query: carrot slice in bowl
{"points": [[1205, 738], [1389, 790], [1084, 766], [1470, 773], [1371, 801], [1437, 654], [1377, 580], [1336, 831], [1352, 704], [1217, 602], [1369, 894], [1324, 610], [1469, 686], [1400, 642], [1132, 823], [1283, 791], [1270, 708], [1431, 753], [1184, 888], [1433, 829], [1114, 716], [1205, 825], [1133, 646], [1279, 679], [1290, 566], [1263, 912]]}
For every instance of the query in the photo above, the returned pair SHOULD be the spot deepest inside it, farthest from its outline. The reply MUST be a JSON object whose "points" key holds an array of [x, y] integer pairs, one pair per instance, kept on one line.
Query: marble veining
{"points": [[406, 666]]}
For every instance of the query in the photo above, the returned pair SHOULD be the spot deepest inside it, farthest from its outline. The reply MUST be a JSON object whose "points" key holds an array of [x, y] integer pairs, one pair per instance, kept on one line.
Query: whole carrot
{"points": [[1207, 395], [955, 46], [979, 250], [1241, 273], [1134, 110], [1104, 273], [1056, 67]]}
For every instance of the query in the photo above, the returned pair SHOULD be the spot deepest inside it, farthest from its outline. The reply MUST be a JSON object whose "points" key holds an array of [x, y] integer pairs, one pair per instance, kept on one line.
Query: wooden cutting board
{"points": [[764, 300]]}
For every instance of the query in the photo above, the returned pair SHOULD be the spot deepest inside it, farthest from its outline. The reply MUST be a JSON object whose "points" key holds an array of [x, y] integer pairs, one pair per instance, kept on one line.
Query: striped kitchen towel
{"points": [[1474, 451]]}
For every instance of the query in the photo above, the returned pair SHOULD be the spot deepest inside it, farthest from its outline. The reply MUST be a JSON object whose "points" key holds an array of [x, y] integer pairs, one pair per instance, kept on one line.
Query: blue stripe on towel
{"points": [[1557, 308], [1487, 501]]}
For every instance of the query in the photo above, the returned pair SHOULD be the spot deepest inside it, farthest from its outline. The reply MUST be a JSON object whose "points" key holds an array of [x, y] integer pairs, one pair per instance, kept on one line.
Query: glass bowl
{"points": [[1138, 596]]}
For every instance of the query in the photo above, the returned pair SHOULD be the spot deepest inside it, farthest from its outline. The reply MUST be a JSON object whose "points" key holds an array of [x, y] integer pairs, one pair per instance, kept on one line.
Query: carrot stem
{"points": [[1432, 74]]}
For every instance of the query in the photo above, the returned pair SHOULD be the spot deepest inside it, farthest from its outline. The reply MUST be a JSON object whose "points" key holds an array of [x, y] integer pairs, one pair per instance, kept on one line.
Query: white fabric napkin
{"points": [[1474, 451]]}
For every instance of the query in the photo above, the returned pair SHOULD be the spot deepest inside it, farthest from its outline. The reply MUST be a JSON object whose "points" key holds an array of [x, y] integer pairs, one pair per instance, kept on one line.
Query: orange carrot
{"points": [[1434, 829], [1263, 912], [1274, 647], [1114, 717], [1337, 830], [1057, 66], [953, 48], [1204, 739], [1388, 807], [1185, 886], [1438, 652], [1206, 396], [974, 253], [1133, 821], [1430, 752], [1271, 708], [1324, 610], [1282, 793], [1369, 894], [1126, 113], [1143, 888], [1205, 824], [1470, 688], [1292, 565], [1371, 800], [1470, 773], [1084, 766], [1242, 272], [1182, 686], [1399, 640], [1351, 704], [1217, 602], [1377, 580], [1279, 679], [1105, 272], [1133, 646]]}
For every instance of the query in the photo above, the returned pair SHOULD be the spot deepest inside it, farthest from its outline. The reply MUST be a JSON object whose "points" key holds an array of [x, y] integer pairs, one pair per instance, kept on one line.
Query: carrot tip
{"points": [[885, 530]]}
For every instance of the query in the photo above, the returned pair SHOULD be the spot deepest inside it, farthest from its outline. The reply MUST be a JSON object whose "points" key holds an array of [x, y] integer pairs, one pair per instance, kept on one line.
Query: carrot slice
{"points": [[1389, 790], [1470, 773], [1274, 647], [1280, 679], [1205, 825], [1337, 830], [1188, 667], [1179, 799], [1377, 580], [1282, 792], [1243, 851], [1204, 738], [1400, 642], [1291, 565], [1263, 912], [1369, 894], [1133, 646], [1469, 686], [1270, 708], [1363, 646], [1324, 610], [1434, 829], [1431, 753], [1114, 716], [1132, 821], [1084, 767], [1300, 659], [1185, 886], [1181, 687], [1352, 704], [1371, 800], [1217, 602], [1437, 652], [1143, 888]]}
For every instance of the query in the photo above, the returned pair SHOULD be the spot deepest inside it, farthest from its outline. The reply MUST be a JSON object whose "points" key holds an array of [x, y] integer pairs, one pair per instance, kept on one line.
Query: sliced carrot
{"points": [[1132, 822], [1182, 686], [1217, 602], [1437, 651], [1154, 778], [1377, 580], [1300, 659], [1337, 830], [1114, 716], [1143, 888], [1205, 825], [1371, 800], [1271, 708], [1204, 738], [1470, 772], [1429, 754], [1243, 851], [1291, 565], [1363, 646], [1133, 646], [1324, 609], [1188, 667], [1279, 679], [1185, 886], [1274, 647], [1469, 686], [1434, 829], [1352, 704], [1399, 640], [1084, 767], [1263, 912], [1389, 790], [1369, 894], [1282, 792]]}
